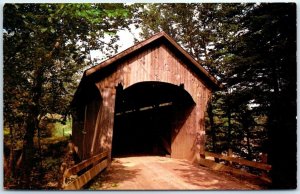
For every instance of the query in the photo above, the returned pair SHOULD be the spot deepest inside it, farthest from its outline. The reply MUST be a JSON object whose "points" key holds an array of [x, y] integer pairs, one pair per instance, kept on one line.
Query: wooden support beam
{"points": [[221, 167], [86, 177], [258, 165], [78, 167], [98, 163]]}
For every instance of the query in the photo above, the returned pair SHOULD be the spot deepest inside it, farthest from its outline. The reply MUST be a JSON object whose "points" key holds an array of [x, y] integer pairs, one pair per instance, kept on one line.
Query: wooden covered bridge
{"points": [[148, 100]]}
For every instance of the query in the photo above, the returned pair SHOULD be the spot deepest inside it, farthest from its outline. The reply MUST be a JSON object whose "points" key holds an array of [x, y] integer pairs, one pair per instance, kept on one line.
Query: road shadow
{"points": [[112, 177], [214, 180]]}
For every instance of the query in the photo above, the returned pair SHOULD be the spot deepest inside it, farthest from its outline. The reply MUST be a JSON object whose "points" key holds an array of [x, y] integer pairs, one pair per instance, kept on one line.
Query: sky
{"points": [[126, 40]]}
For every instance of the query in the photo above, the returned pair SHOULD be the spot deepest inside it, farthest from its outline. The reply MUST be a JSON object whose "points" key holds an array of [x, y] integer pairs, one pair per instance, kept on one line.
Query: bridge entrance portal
{"points": [[148, 116]]}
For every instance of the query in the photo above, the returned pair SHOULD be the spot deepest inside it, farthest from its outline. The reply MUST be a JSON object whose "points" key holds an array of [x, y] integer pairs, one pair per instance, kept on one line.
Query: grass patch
{"points": [[6, 131], [61, 130]]}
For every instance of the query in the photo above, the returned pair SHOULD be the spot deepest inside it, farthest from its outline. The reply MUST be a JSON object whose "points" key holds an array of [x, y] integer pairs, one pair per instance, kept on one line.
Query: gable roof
{"points": [[159, 37], [86, 89]]}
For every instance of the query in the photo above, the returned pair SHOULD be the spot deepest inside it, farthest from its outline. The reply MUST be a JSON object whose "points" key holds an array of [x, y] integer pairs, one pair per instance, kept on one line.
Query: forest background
{"points": [[250, 48]]}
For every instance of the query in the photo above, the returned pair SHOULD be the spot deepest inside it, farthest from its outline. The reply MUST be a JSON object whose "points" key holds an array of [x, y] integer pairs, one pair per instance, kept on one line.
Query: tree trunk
{"points": [[249, 155], [282, 137], [213, 128], [28, 151], [228, 112], [246, 123], [28, 161], [273, 115], [10, 166]]}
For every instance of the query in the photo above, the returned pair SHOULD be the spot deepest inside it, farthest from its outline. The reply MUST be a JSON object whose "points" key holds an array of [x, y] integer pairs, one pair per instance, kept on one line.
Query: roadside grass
{"points": [[53, 146], [61, 130]]}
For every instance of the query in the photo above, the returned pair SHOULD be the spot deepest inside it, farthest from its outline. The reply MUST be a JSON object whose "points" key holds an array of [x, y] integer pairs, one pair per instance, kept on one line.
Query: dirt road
{"points": [[161, 173]]}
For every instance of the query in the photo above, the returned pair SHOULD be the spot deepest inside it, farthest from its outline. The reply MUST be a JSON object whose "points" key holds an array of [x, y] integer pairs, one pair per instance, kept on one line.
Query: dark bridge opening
{"points": [[147, 115]]}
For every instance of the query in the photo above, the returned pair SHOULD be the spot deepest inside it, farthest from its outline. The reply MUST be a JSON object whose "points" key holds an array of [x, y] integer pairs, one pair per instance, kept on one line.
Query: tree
{"points": [[261, 69], [267, 56], [45, 47]]}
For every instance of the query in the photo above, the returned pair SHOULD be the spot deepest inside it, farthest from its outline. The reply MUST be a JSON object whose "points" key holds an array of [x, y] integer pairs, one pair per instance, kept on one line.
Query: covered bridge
{"points": [[147, 100]]}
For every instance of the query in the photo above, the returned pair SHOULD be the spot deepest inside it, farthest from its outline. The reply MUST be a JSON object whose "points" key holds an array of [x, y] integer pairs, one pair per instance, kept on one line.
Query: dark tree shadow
{"points": [[204, 177], [110, 178]]}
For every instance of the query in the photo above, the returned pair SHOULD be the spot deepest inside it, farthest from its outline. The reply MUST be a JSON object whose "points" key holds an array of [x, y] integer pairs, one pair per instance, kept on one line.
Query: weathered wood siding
{"points": [[157, 63]]}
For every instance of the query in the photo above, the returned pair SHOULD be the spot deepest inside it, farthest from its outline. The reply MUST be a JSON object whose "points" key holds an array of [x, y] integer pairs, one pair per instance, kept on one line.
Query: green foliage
{"points": [[46, 48], [54, 41], [51, 126], [61, 130]]}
